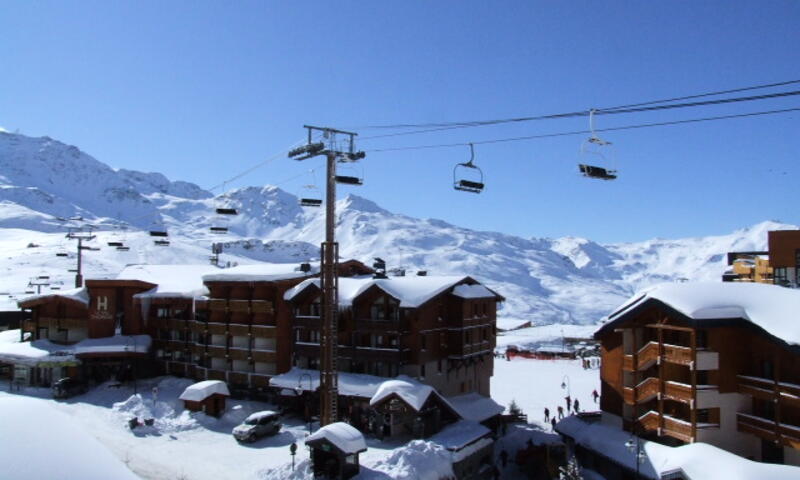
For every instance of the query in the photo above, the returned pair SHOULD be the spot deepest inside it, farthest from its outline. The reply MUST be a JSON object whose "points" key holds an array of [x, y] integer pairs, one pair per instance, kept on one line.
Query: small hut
{"points": [[404, 406], [335, 449], [207, 396]]}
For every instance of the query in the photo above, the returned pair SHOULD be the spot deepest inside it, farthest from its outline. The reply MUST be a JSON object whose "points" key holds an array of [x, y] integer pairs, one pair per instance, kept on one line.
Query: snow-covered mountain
{"points": [[563, 280]]}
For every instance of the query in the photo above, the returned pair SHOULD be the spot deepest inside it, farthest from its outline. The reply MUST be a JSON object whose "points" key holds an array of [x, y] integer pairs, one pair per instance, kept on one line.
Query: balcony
{"points": [[468, 350], [672, 427], [265, 356], [307, 321], [216, 351], [381, 326], [375, 354], [648, 355], [646, 390], [306, 349], [263, 331], [766, 389], [766, 429]]}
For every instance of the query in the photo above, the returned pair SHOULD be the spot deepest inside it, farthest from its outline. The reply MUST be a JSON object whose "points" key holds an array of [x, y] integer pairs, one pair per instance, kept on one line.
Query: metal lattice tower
{"points": [[329, 378]]}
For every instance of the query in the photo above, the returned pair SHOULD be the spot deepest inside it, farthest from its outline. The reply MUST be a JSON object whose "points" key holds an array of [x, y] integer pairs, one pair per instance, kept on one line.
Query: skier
{"points": [[553, 422], [546, 414], [569, 402], [560, 413], [575, 406], [595, 395]]}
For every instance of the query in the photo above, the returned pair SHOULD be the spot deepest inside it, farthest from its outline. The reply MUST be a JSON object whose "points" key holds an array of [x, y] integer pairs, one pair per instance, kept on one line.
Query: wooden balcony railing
{"points": [[646, 390], [648, 355], [769, 390], [680, 392], [764, 428], [673, 427]]}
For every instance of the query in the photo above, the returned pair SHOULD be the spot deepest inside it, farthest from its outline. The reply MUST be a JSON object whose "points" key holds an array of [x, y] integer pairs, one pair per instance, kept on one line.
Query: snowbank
{"points": [[202, 390], [70, 452], [418, 460], [767, 306]]}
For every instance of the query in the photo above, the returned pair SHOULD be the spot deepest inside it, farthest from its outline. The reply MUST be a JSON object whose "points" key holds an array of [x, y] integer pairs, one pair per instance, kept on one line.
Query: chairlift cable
{"points": [[583, 132], [570, 114]]}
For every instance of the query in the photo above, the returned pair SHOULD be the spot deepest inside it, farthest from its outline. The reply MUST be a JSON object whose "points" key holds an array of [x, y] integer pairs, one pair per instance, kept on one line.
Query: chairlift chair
{"points": [[62, 254], [29, 291], [600, 149], [158, 233], [226, 211], [354, 178], [161, 243], [462, 171], [123, 248], [114, 244], [218, 230]]}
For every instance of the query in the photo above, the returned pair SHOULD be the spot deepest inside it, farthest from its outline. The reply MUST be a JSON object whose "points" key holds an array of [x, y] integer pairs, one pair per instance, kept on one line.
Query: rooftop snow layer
{"points": [[77, 294], [410, 291], [262, 272], [172, 280], [771, 307], [202, 390], [697, 460], [345, 437], [475, 407], [413, 393], [472, 291], [460, 434], [38, 351], [350, 384]]}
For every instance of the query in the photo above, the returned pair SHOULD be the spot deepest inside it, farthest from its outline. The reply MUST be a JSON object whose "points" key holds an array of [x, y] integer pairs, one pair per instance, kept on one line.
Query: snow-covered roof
{"points": [[261, 272], [202, 390], [463, 438], [770, 307], [410, 291], [80, 295], [475, 407], [473, 291], [350, 384], [171, 280], [345, 437], [30, 424], [415, 394], [696, 460], [44, 351]]}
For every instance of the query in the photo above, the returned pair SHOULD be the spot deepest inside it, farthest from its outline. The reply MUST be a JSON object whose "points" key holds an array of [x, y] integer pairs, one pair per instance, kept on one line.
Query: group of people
{"points": [[590, 362], [573, 405]]}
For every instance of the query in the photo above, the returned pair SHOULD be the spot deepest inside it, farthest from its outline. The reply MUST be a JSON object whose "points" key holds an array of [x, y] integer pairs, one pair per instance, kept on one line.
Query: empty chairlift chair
{"points": [[599, 149], [224, 212], [468, 177]]}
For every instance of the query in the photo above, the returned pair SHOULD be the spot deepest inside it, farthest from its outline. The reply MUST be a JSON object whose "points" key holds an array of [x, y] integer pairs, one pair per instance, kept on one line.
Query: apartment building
{"points": [[779, 265], [707, 362]]}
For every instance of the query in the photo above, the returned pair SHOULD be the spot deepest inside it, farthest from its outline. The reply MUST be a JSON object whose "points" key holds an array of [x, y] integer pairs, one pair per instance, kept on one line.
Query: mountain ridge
{"points": [[562, 280]]}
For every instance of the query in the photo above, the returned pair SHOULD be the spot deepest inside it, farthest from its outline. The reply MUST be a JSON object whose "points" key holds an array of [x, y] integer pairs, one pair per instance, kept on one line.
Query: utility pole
{"points": [[80, 235], [329, 378]]}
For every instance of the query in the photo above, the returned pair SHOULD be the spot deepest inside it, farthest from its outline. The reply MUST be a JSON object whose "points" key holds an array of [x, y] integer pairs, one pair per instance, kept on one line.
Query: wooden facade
{"points": [[447, 342], [721, 381]]}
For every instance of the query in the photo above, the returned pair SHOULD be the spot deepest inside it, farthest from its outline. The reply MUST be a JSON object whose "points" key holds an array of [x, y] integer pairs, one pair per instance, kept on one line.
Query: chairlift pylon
{"points": [[461, 172], [600, 148]]}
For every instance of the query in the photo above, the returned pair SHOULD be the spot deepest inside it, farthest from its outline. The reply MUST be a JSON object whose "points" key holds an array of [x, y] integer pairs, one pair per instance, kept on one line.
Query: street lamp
{"points": [[635, 447]]}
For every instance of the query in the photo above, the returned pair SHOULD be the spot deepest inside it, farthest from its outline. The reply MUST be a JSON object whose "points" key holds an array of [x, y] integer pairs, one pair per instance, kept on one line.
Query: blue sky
{"points": [[201, 91]]}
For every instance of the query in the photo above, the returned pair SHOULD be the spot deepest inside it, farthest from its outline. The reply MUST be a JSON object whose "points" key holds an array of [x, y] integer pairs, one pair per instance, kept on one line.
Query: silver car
{"points": [[258, 425]]}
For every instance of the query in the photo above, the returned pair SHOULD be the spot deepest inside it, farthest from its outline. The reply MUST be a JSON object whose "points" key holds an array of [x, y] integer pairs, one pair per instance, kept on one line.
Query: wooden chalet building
{"points": [[780, 264], [439, 330], [707, 362]]}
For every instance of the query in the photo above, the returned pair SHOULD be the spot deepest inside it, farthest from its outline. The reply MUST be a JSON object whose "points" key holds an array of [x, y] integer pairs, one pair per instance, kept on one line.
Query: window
{"points": [[315, 308], [423, 342], [780, 276], [377, 311], [163, 312]]}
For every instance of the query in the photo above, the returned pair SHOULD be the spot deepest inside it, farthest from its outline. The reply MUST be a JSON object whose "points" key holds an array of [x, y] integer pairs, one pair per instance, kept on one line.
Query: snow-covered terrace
{"points": [[39, 352], [463, 438], [769, 307], [475, 407], [696, 460], [411, 291]]}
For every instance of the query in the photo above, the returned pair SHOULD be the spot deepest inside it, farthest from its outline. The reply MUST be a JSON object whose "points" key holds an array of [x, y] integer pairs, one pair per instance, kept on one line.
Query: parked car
{"points": [[69, 387], [258, 425]]}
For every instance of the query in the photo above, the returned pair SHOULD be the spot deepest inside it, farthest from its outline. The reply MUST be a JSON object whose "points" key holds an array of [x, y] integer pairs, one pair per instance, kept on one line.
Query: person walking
{"points": [[569, 402], [575, 405], [560, 413], [595, 395], [546, 414], [553, 422]]}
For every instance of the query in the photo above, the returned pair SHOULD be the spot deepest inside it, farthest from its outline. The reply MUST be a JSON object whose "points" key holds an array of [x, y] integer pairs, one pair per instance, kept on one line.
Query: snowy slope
{"points": [[567, 280]]}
